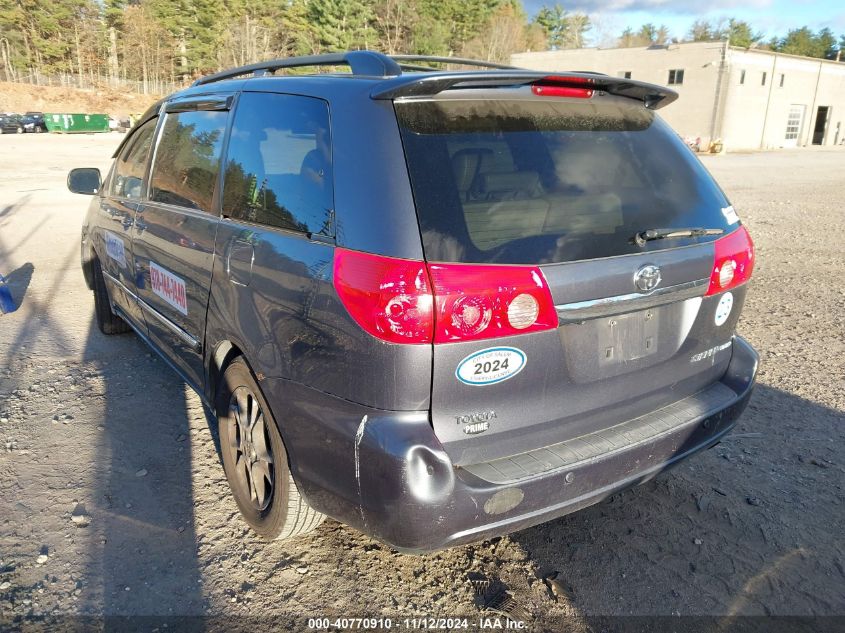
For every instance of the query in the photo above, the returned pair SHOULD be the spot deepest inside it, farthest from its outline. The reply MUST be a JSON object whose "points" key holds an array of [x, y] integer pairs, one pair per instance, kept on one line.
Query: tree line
{"points": [[823, 43], [177, 40]]}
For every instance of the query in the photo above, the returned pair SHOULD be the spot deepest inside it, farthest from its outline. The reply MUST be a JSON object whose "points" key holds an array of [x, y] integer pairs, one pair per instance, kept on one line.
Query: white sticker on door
{"points": [[115, 248], [723, 310], [169, 287], [490, 366]]}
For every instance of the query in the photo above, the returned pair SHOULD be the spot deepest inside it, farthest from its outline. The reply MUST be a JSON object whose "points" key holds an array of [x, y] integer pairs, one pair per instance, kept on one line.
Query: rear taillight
{"points": [[478, 302], [390, 298], [562, 86], [733, 261], [393, 300]]}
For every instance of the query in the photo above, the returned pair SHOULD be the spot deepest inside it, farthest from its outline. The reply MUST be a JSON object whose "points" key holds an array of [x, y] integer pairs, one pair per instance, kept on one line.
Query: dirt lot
{"points": [[752, 527], [19, 98]]}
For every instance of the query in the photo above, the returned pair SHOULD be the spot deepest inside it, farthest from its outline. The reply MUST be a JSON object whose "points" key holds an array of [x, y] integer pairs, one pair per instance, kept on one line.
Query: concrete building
{"points": [[751, 99]]}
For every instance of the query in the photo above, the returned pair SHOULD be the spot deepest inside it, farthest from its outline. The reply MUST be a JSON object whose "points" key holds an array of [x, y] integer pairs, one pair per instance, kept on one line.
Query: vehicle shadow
{"points": [[750, 527], [17, 283], [145, 553]]}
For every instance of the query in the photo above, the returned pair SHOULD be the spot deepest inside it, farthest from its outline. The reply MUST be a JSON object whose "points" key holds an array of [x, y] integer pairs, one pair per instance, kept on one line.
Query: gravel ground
{"points": [[113, 501]]}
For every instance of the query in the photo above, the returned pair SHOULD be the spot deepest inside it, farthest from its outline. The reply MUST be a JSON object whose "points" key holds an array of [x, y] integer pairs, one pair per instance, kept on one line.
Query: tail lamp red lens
{"points": [[733, 261], [390, 298], [477, 302], [393, 300], [562, 86]]}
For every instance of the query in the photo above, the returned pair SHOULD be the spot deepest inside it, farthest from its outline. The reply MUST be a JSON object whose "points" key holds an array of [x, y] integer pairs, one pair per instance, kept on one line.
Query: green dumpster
{"points": [[67, 123]]}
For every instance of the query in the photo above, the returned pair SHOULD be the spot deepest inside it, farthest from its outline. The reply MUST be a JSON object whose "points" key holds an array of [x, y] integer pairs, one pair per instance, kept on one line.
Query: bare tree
{"points": [[148, 48], [576, 28], [245, 41], [504, 35], [395, 20]]}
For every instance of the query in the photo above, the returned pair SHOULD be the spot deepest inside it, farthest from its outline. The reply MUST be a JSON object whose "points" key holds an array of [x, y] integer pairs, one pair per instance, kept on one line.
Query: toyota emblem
{"points": [[647, 278]]}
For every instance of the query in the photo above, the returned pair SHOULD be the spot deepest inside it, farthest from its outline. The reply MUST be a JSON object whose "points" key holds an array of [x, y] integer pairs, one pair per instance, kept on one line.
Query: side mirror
{"points": [[85, 180]]}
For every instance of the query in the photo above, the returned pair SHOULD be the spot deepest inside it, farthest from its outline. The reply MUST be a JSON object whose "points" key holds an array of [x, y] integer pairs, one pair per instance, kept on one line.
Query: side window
{"points": [[187, 159], [279, 163], [131, 165]]}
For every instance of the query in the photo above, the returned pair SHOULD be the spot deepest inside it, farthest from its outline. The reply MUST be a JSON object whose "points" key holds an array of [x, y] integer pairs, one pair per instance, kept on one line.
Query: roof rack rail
{"points": [[362, 63], [417, 68], [460, 61], [365, 63]]}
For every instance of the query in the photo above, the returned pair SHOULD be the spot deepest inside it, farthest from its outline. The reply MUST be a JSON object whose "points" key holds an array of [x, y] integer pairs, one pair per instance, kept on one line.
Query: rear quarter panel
{"points": [[290, 324], [289, 321]]}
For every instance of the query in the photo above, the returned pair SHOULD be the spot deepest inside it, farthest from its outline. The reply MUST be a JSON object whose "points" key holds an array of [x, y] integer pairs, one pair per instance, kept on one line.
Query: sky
{"points": [[772, 17]]}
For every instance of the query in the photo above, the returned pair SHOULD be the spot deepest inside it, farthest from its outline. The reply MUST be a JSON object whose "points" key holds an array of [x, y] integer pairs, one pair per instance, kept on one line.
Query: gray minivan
{"points": [[437, 306]]}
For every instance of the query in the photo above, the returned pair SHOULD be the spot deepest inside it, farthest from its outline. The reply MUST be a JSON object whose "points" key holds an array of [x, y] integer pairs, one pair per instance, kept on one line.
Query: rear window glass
{"points": [[547, 181], [279, 167]]}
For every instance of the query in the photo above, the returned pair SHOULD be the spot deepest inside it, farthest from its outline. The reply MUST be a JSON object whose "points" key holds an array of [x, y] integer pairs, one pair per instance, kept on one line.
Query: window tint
{"points": [[279, 164], [535, 182], [187, 159], [131, 165]]}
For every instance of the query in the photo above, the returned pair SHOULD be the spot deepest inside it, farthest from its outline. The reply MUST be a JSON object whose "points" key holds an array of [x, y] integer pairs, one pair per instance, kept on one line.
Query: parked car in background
{"points": [[437, 306], [34, 122], [11, 124], [119, 124]]}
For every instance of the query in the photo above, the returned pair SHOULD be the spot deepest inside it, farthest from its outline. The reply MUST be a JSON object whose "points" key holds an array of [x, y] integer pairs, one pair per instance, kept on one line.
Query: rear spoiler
{"points": [[430, 84]]}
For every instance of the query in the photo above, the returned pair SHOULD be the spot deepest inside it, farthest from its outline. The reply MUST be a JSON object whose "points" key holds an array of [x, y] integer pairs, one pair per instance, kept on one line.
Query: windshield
{"points": [[547, 181]]}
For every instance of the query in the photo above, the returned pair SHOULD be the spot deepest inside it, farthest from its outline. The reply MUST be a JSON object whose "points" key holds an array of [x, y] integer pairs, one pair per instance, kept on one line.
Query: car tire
{"points": [[255, 460], [108, 322]]}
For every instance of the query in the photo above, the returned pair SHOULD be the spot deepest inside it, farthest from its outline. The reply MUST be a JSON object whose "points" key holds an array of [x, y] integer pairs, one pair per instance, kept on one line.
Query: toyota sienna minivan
{"points": [[435, 305]]}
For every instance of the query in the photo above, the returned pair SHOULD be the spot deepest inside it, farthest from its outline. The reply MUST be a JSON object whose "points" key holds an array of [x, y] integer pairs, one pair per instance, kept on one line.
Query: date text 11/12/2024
{"points": [[417, 624]]}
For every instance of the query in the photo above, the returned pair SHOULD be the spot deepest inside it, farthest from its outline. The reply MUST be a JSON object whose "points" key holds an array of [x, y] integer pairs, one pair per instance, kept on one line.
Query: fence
{"points": [[96, 82]]}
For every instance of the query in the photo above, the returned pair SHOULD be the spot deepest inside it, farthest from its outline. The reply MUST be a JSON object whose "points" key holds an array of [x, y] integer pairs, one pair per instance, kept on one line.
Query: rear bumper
{"points": [[392, 479]]}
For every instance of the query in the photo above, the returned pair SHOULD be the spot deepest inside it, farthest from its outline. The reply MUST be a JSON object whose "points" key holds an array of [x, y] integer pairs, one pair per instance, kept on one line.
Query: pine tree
{"points": [[553, 21], [702, 31], [342, 24], [740, 33]]}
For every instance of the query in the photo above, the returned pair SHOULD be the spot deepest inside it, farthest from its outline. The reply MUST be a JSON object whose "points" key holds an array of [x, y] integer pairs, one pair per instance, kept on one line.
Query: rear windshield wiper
{"points": [[664, 234]]}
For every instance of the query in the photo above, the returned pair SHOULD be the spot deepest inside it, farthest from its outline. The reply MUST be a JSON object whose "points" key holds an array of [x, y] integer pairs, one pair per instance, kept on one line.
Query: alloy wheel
{"points": [[250, 445]]}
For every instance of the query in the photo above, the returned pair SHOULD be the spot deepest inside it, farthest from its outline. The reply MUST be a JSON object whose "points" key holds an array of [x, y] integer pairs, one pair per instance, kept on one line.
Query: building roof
{"points": [[684, 45]]}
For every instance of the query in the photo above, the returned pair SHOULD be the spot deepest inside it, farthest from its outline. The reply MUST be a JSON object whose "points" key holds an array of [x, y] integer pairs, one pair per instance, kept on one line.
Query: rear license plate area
{"points": [[627, 337]]}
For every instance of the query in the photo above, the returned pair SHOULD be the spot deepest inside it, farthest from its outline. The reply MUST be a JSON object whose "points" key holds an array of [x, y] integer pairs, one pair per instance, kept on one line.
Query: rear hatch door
{"points": [[563, 187]]}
